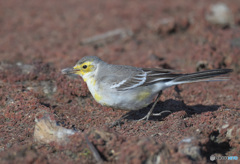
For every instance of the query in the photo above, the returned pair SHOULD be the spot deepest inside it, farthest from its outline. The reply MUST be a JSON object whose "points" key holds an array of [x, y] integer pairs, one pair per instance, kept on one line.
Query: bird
{"points": [[132, 88]]}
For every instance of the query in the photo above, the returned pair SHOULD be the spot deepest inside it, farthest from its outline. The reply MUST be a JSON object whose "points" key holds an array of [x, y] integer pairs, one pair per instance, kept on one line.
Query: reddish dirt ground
{"points": [[39, 38]]}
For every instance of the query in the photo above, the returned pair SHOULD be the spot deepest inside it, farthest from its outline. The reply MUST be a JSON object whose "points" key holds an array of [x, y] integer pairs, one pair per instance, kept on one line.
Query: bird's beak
{"points": [[69, 71]]}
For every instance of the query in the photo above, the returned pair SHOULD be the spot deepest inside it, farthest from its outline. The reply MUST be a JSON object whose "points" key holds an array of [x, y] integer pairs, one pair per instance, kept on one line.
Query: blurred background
{"points": [[38, 38], [180, 33]]}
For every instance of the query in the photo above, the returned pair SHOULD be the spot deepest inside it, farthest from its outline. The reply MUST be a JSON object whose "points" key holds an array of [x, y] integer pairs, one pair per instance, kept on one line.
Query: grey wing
{"points": [[122, 77], [143, 77]]}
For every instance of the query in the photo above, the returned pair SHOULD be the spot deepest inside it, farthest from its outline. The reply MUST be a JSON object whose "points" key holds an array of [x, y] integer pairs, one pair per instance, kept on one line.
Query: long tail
{"points": [[209, 75]]}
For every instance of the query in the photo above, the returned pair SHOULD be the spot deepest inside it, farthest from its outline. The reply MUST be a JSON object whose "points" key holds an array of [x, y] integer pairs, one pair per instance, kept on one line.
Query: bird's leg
{"points": [[160, 113], [145, 117], [151, 110]]}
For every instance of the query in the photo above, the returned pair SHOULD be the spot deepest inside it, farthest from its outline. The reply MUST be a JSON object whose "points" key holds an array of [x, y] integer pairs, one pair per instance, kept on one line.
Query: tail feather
{"points": [[209, 75]]}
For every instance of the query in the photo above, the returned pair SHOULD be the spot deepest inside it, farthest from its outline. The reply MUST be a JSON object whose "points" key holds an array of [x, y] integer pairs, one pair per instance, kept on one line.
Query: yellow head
{"points": [[84, 67]]}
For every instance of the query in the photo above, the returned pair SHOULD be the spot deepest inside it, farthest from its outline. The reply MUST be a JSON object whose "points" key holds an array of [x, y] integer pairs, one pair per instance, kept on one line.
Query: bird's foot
{"points": [[153, 114]]}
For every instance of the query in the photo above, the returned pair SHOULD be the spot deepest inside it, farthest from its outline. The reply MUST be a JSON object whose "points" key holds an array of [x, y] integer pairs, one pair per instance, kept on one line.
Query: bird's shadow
{"points": [[172, 106]]}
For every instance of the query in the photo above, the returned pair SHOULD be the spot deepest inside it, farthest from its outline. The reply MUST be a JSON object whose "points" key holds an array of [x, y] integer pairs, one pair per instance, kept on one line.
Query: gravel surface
{"points": [[40, 38]]}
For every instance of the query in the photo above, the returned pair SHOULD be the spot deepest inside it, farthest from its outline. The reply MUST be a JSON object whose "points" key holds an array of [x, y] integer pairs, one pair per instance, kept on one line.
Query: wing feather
{"points": [[145, 77]]}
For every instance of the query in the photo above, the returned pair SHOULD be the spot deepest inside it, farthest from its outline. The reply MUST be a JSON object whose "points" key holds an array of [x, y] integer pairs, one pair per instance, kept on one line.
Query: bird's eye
{"points": [[84, 66]]}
